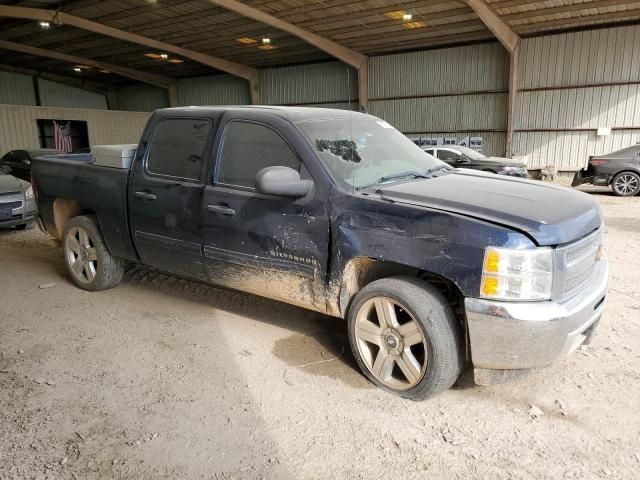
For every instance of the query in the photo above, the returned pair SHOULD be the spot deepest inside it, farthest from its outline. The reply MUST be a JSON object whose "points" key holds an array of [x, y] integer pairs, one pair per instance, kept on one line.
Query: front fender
{"points": [[449, 245]]}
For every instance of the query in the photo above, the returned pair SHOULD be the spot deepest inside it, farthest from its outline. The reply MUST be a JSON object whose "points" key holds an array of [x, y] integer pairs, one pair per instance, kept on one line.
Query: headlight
{"points": [[513, 169], [517, 274], [28, 193]]}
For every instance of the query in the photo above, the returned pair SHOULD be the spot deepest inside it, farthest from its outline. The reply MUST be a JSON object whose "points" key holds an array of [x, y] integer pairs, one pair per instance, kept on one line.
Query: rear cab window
{"points": [[178, 148]]}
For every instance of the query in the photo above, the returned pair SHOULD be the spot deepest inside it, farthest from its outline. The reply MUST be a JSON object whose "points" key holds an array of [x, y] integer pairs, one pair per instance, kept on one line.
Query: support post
{"points": [[254, 89], [513, 98], [112, 100], [363, 84], [173, 95]]}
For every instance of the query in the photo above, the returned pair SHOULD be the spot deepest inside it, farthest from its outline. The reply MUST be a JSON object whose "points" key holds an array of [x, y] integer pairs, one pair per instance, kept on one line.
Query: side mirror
{"points": [[282, 181]]}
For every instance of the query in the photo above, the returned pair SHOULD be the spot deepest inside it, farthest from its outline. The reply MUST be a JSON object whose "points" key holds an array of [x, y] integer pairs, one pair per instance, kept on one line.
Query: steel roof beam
{"points": [[153, 79], [61, 18], [346, 55], [503, 32]]}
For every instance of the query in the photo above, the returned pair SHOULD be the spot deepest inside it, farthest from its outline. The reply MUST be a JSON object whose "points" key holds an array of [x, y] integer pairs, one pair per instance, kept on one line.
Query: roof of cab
{"points": [[292, 114]]}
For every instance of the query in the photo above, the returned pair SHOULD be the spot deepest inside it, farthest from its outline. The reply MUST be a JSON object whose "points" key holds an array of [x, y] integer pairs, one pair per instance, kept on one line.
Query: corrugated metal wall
{"points": [[142, 98], [213, 90], [570, 85], [18, 125], [330, 85], [16, 89], [455, 92], [54, 94]]}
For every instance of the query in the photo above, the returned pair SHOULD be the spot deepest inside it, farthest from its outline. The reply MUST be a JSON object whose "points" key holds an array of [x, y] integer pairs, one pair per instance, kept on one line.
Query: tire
{"points": [[420, 320], [89, 262], [626, 184]]}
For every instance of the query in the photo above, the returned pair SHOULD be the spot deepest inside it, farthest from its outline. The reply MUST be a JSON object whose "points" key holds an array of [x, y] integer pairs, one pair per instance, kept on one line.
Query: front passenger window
{"points": [[249, 147], [448, 155]]}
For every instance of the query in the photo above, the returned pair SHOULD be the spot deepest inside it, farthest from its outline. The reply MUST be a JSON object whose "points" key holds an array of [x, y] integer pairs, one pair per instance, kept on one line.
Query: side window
{"points": [[448, 155], [247, 148], [429, 151], [178, 147]]}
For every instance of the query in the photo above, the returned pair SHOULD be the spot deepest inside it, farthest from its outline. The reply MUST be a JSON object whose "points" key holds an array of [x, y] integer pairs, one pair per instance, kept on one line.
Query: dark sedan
{"points": [[465, 157], [18, 162], [619, 169], [17, 203]]}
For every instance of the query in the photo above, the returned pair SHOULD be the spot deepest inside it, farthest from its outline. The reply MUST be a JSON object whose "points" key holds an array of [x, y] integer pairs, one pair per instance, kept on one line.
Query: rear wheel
{"points": [[626, 184], [404, 337], [89, 262]]}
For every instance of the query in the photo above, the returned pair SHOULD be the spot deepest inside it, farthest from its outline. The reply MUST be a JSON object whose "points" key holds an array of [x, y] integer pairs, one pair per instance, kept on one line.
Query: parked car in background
{"points": [[430, 265], [465, 157], [619, 169], [17, 205], [18, 162]]}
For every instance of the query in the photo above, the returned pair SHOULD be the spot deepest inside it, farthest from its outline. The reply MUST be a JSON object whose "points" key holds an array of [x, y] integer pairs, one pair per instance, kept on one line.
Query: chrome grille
{"points": [[572, 283], [576, 264], [11, 205]]}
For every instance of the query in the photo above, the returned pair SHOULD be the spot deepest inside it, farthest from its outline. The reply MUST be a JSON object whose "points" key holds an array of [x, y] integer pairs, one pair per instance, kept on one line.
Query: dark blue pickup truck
{"points": [[340, 213]]}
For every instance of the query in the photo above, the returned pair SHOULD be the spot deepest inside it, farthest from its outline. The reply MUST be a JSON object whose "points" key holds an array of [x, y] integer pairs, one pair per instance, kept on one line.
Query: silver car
{"points": [[17, 204]]}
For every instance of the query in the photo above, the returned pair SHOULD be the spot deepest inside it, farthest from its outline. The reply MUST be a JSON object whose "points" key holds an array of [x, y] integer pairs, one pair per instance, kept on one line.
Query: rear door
{"points": [[165, 194], [273, 246]]}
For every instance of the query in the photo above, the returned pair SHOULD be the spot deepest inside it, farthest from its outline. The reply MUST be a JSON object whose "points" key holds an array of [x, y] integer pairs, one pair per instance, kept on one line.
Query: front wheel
{"points": [[404, 337], [88, 260], [626, 184]]}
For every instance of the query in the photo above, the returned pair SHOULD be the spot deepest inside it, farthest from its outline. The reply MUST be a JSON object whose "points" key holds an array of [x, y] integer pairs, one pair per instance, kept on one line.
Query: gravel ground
{"points": [[163, 378]]}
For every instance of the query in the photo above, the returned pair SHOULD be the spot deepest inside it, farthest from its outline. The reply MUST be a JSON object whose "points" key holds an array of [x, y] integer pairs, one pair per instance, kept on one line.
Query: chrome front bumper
{"points": [[516, 336]]}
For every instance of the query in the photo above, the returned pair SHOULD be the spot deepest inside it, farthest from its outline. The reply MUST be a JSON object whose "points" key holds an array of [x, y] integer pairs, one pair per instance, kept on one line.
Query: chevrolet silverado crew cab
{"points": [[338, 212]]}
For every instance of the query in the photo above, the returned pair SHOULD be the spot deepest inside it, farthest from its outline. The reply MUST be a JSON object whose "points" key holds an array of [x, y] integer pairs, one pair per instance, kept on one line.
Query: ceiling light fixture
{"points": [[413, 25], [266, 41], [395, 15], [45, 25], [164, 56], [77, 69], [407, 17], [246, 40]]}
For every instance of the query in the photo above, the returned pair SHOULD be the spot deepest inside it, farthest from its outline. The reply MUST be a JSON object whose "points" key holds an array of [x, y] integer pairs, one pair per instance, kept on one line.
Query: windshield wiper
{"points": [[395, 176], [438, 167]]}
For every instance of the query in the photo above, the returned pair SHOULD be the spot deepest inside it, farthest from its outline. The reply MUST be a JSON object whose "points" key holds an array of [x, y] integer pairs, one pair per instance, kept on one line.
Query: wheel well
{"points": [[623, 171], [361, 271], [64, 210]]}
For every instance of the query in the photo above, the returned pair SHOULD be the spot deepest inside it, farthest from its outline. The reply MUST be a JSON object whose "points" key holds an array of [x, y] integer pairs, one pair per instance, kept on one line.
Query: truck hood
{"points": [[9, 183], [549, 214]]}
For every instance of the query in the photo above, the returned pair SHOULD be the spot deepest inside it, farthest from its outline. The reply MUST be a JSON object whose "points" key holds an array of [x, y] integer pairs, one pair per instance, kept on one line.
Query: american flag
{"points": [[62, 136]]}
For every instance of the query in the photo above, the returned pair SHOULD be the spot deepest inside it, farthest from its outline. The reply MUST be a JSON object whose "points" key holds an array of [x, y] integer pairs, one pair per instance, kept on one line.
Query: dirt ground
{"points": [[162, 378]]}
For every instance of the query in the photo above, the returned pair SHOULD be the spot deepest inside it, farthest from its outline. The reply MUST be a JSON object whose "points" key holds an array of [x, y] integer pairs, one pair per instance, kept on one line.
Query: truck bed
{"points": [[63, 184]]}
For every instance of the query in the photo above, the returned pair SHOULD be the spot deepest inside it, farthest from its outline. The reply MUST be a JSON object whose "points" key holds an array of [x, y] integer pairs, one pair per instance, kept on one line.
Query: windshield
{"points": [[470, 153], [364, 151]]}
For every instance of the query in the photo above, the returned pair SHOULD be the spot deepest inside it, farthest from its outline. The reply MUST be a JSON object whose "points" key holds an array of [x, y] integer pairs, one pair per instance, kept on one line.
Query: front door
{"points": [[165, 195], [272, 246]]}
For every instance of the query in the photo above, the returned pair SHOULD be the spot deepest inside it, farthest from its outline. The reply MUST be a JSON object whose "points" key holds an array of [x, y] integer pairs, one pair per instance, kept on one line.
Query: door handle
{"points": [[223, 209], [145, 195]]}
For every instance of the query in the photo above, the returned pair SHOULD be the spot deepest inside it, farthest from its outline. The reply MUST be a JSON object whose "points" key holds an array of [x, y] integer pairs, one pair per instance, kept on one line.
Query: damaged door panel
{"points": [[269, 245]]}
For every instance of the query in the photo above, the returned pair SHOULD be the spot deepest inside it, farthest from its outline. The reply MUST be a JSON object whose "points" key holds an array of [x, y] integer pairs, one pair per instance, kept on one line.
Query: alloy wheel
{"points": [[626, 184], [391, 343], [81, 255]]}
